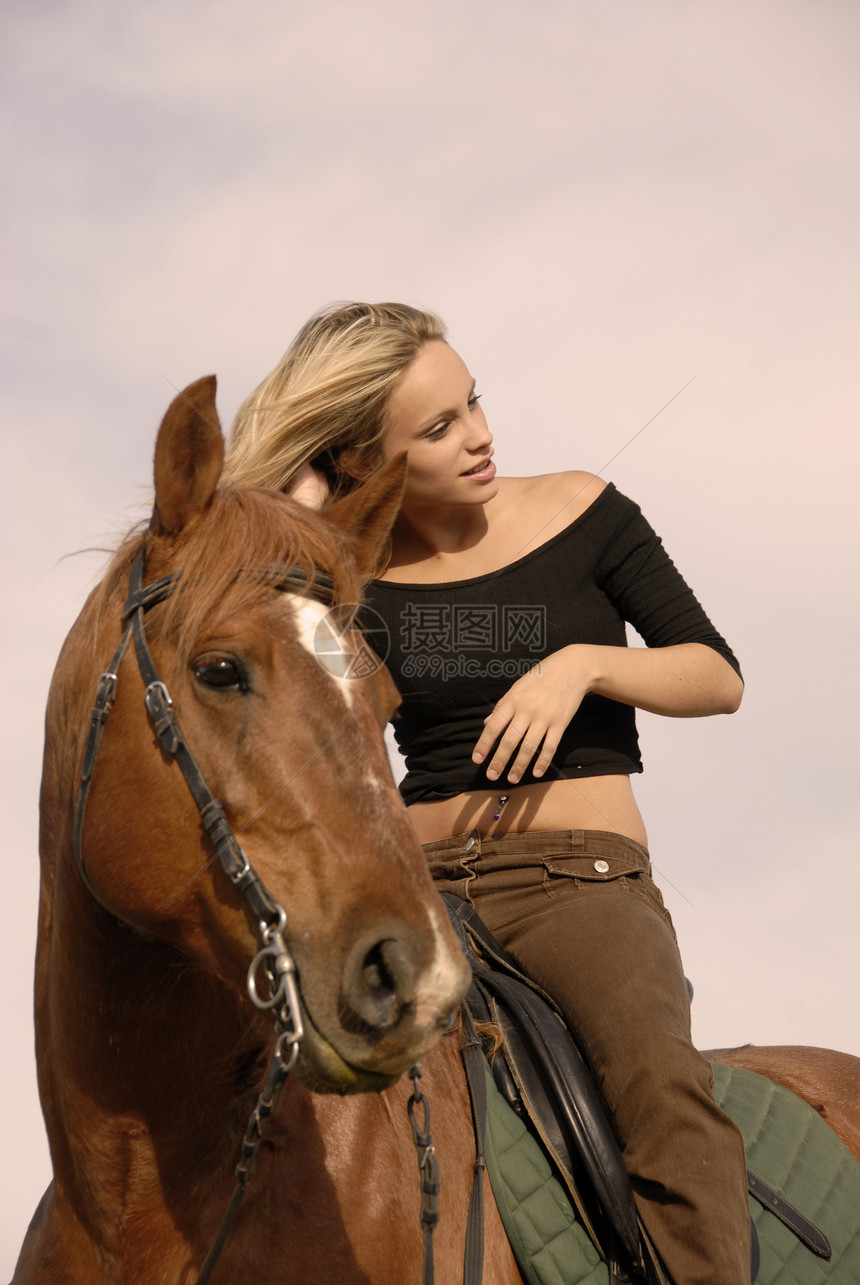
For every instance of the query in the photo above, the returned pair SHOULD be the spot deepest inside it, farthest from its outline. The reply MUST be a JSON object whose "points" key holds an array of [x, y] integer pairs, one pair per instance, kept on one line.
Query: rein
{"points": [[273, 958], [428, 1167]]}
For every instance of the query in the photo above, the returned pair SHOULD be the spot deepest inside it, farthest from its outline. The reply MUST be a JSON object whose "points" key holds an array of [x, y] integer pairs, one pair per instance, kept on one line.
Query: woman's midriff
{"points": [[592, 803]]}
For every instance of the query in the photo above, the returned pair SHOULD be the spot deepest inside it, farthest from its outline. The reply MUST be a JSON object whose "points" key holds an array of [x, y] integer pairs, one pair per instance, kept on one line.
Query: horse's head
{"points": [[282, 708]]}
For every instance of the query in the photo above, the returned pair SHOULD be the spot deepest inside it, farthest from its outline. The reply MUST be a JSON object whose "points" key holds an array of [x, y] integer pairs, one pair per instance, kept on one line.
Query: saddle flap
{"points": [[542, 1075], [563, 1104]]}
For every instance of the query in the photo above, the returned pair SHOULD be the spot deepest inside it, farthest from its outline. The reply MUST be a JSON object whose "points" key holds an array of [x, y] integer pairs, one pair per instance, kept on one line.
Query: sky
{"points": [[639, 223]]}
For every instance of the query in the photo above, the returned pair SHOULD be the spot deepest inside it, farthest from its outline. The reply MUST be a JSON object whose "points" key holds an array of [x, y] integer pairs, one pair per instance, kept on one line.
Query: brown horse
{"points": [[150, 1053]]}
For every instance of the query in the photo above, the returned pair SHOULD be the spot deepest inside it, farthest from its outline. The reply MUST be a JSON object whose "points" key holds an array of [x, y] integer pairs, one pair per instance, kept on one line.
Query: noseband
{"points": [[280, 970]]}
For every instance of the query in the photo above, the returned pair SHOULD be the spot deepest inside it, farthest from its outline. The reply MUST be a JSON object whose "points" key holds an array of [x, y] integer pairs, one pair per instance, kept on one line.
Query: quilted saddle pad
{"points": [[788, 1145]]}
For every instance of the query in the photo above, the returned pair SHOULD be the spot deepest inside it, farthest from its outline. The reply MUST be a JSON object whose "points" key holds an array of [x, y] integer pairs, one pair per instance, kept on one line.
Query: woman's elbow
{"points": [[723, 683], [732, 693]]}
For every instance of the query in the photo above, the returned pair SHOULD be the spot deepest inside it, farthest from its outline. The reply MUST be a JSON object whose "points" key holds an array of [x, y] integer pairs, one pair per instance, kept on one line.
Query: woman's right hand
{"points": [[309, 487], [530, 719]]}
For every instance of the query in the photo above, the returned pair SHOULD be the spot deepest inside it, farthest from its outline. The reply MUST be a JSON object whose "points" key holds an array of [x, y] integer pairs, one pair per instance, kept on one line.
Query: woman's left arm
{"points": [[687, 680]]}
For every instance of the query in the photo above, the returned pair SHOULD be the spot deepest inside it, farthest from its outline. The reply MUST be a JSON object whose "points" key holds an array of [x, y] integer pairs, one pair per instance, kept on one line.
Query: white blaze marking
{"points": [[330, 649], [333, 653], [440, 982]]}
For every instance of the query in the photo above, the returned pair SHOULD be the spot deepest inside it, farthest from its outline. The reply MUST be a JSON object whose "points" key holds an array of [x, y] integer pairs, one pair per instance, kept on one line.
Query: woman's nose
{"points": [[479, 437]]}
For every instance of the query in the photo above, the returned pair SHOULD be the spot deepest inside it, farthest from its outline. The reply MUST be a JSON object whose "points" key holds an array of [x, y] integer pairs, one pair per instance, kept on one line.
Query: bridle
{"points": [[159, 705], [282, 999], [280, 970]]}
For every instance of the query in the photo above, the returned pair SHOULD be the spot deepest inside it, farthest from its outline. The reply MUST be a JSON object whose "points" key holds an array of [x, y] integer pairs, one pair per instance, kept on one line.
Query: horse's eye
{"points": [[225, 675]]}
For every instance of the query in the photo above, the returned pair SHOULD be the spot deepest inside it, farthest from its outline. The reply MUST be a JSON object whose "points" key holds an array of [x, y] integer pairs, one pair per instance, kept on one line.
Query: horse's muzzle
{"points": [[398, 990]]}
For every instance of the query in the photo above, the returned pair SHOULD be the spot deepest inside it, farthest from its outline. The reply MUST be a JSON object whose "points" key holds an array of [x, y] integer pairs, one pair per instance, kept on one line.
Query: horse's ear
{"points": [[189, 454], [368, 513]]}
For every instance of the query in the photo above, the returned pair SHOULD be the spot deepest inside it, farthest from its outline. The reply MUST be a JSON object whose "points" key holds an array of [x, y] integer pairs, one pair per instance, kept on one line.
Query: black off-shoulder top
{"points": [[454, 649]]}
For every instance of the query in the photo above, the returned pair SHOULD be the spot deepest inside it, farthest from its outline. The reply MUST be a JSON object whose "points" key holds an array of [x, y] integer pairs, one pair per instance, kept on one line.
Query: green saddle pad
{"points": [[788, 1145]]}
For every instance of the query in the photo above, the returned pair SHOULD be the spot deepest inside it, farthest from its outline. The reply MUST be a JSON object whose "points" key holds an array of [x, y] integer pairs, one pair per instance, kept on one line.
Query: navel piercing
{"points": [[503, 798]]}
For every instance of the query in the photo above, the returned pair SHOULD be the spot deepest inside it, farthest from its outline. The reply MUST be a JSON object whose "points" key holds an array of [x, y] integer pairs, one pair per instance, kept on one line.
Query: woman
{"points": [[504, 601]]}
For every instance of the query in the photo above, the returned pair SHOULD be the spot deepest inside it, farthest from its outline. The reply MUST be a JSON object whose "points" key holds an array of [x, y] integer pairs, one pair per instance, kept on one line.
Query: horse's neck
{"points": [[145, 1062], [95, 634]]}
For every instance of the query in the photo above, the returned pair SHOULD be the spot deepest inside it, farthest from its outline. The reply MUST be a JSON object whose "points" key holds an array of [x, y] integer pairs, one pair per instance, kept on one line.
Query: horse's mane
{"points": [[228, 557]]}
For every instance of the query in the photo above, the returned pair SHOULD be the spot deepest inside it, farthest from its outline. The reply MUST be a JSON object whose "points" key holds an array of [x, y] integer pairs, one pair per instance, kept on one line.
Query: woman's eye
{"points": [[474, 399], [221, 674], [437, 432]]}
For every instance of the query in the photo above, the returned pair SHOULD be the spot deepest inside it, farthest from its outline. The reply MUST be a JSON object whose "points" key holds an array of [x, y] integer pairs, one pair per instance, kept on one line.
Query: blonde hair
{"points": [[329, 393]]}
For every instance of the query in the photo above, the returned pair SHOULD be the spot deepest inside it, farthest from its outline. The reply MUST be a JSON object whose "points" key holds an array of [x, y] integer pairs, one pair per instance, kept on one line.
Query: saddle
{"points": [[541, 1074]]}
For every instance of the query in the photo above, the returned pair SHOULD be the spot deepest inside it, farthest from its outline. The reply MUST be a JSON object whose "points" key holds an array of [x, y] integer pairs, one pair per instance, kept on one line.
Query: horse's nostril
{"points": [[378, 987], [379, 976]]}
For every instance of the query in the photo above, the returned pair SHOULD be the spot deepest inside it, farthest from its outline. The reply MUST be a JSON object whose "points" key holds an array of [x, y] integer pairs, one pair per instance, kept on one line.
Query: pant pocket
{"points": [[593, 868], [602, 875]]}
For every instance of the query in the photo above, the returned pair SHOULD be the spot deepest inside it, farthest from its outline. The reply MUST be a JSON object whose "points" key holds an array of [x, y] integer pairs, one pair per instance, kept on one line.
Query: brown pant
{"points": [[579, 911]]}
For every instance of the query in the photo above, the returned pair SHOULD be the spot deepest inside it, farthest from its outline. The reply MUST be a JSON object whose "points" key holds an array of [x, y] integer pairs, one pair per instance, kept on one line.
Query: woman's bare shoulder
{"points": [[573, 491], [547, 503]]}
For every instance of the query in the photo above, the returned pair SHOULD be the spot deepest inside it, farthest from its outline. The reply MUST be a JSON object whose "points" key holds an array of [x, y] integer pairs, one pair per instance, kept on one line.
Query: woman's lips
{"points": [[485, 470]]}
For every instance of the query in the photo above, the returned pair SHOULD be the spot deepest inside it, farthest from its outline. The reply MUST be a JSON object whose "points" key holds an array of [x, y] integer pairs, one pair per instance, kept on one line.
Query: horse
{"points": [[149, 1052], [245, 708]]}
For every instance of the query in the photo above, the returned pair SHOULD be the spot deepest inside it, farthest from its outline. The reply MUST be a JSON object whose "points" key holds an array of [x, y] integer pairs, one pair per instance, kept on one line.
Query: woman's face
{"points": [[435, 416]]}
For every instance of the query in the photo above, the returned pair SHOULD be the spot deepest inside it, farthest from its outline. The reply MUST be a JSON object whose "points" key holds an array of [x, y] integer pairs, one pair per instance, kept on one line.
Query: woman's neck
{"points": [[423, 533]]}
